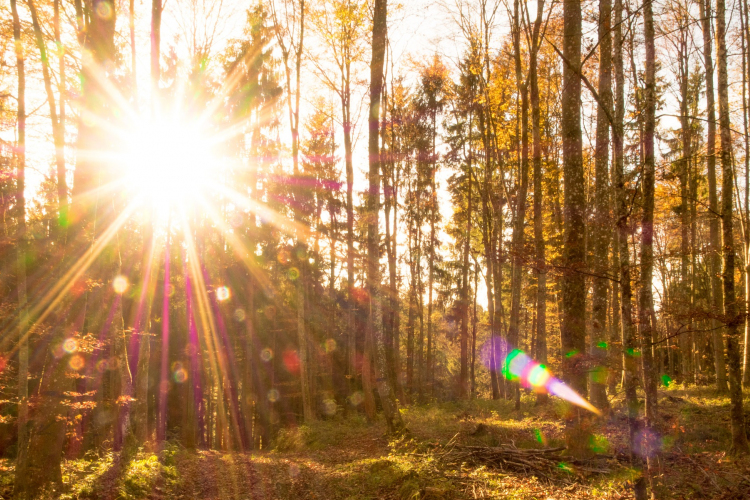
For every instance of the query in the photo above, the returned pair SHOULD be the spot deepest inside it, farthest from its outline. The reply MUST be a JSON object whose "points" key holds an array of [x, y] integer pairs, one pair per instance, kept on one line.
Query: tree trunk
{"points": [[645, 297], [156, 10], [474, 331], [58, 130], [520, 212], [463, 389], [24, 484], [42, 468], [540, 251], [62, 183], [351, 336], [602, 228], [746, 215], [375, 319], [574, 251], [717, 296], [629, 345], [143, 325], [739, 437]]}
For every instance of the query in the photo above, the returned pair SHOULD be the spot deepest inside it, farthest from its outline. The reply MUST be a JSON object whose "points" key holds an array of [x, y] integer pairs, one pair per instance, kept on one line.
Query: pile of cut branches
{"points": [[541, 462], [507, 458]]}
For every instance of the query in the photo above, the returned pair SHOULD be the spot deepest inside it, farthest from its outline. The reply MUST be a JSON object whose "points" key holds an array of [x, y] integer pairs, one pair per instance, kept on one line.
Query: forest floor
{"points": [[351, 459]]}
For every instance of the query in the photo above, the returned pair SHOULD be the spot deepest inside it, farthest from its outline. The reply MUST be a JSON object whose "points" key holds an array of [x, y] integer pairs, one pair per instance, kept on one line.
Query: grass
{"points": [[352, 459]]}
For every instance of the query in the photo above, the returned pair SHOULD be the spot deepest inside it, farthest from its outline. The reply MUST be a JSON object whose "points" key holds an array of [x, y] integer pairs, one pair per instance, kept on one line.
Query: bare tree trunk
{"points": [[351, 337], [574, 251], [375, 319], [717, 296], [21, 490], [541, 264], [520, 212], [62, 183], [431, 262], [463, 389], [645, 298], [629, 345], [739, 437], [745, 15], [601, 229], [293, 49], [143, 325], [156, 10], [391, 202], [474, 331], [684, 175]]}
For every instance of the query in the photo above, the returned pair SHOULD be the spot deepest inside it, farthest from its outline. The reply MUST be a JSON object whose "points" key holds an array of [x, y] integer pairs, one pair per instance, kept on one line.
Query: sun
{"points": [[169, 163]]}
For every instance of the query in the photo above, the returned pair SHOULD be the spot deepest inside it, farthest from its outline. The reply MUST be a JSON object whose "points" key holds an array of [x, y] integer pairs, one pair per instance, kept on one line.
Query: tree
{"points": [[21, 490], [375, 317], [573, 334], [521, 195], [629, 340], [717, 297], [645, 297], [539, 243], [739, 437], [341, 25], [290, 35], [601, 232]]}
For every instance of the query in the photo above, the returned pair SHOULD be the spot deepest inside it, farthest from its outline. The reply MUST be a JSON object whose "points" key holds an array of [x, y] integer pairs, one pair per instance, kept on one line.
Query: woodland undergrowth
{"points": [[443, 455]]}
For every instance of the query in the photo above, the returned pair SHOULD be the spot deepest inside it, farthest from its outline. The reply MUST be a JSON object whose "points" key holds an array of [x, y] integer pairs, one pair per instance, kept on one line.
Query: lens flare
{"points": [[222, 293], [518, 366], [240, 315], [70, 346], [120, 284], [291, 361], [273, 395], [180, 375], [76, 362], [329, 346]]}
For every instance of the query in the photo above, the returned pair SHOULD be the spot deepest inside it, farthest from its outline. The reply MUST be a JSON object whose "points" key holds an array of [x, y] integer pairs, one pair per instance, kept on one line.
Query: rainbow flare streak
{"points": [[531, 374]]}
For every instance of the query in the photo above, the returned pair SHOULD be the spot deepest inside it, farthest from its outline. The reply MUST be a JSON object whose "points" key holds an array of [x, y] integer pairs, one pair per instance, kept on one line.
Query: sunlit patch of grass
{"points": [[83, 476], [319, 435], [7, 475], [144, 472]]}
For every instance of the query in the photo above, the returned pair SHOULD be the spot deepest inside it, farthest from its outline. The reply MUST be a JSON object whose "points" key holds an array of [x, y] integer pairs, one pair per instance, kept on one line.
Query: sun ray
{"points": [[49, 302], [217, 360]]}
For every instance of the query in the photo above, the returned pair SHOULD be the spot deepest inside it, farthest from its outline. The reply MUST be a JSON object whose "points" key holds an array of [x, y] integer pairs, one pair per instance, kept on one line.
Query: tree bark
{"points": [[629, 343], [520, 212], [573, 334], [463, 388], [375, 319], [601, 229], [739, 437], [143, 325], [717, 295], [58, 130], [645, 296], [540, 251], [22, 488]]}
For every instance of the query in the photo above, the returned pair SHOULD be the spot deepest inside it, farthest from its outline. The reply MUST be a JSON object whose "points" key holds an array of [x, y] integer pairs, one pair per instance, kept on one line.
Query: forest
{"points": [[367, 249]]}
